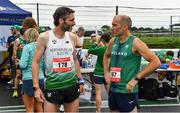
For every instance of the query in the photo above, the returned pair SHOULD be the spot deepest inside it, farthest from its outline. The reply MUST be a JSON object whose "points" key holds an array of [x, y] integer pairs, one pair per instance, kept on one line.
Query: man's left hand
{"points": [[82, 89], [130, 85]]}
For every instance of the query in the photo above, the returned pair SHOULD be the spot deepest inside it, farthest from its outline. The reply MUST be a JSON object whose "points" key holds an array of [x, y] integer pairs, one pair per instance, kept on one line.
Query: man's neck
{"points": [[80, 36], [58, 32], [125, 36]]}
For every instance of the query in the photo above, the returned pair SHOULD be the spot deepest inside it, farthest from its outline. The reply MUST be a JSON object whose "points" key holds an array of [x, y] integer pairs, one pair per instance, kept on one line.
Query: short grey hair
{"points": [[126, 20], [81, 29]]}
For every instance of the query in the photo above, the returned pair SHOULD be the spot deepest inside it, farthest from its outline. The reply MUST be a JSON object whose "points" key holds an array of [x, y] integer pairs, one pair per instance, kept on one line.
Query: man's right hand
{"points": [[39, 95]]}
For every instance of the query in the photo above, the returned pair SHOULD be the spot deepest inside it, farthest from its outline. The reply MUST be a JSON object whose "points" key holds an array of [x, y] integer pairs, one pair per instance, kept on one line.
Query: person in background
{"points": [[178, 76], [166, 59], [64, 82], [25, 65], [92, 41], [80, 34], [98, 48], [17, 50], [122, 61], [15, 31], [93, 38]]}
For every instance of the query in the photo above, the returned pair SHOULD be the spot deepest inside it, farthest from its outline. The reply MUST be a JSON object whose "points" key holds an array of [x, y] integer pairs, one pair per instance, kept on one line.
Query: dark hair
{"points": [[61, 12], [170, 53], [22, 31], [29, 22], [106, 37]]}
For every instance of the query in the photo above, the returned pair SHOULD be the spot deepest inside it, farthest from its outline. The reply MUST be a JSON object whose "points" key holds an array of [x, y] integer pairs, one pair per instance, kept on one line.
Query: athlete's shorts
{"points": [[27, 87], [61, 96], [123, 102], [99, 80]]}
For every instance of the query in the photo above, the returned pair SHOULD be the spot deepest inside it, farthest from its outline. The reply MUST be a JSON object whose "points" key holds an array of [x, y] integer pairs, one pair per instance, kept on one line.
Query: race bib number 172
{"points": [[62, 64]]}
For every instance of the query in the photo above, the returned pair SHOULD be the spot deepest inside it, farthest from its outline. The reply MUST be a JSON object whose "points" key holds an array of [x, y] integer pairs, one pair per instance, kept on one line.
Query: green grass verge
{"points": [[153, 42], [162, 42]]}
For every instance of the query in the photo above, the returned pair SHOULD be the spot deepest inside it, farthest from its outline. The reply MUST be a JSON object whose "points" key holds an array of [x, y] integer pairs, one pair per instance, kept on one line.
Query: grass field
{"points": [[153, 42], [162, 42]]}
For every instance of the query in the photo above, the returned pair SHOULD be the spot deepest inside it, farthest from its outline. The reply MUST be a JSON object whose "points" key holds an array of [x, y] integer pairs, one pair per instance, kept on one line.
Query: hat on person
{"points": [[42, 29], [93, 35], [16, 27]]}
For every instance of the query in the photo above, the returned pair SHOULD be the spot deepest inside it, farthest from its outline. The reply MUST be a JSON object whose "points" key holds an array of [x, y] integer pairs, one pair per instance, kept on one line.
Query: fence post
{"points": [[171, 26], [116, 10], [37, 14]]}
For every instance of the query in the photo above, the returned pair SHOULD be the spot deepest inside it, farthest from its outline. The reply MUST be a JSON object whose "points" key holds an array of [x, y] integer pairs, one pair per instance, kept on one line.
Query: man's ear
{"points": [[61, 21], [125, 26]]}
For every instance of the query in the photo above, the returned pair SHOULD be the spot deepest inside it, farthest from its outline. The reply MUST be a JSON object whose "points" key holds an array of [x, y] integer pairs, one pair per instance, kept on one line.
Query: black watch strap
{"points": [[35, 88], [136, 78]]}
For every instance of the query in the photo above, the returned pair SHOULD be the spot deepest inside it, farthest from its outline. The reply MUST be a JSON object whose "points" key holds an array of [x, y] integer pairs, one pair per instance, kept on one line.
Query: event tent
{"points": [[11, 14]]}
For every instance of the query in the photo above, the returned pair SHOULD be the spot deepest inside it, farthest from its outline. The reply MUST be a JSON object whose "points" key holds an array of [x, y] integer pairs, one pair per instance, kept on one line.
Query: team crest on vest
{"points": [[114, 45], [126, 46], [54, 41], [67, 42]]}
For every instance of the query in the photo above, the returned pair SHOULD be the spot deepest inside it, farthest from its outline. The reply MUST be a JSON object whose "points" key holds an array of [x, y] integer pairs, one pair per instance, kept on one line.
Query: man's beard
{"points": [[118, 34], [66, 27]]}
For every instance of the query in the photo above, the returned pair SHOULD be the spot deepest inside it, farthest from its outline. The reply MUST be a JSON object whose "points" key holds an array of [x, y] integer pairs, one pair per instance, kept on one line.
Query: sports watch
{"points": [[136, 78], [35, 88]]}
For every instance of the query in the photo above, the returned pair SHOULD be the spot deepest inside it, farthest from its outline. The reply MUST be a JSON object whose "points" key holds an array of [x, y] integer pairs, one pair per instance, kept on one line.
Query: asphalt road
{"points": [[9, 104]]}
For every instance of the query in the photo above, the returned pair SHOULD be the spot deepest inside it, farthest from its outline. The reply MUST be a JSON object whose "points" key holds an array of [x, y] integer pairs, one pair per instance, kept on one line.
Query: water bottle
{"points": [[79, 54], [89, 62], [84, 64]]}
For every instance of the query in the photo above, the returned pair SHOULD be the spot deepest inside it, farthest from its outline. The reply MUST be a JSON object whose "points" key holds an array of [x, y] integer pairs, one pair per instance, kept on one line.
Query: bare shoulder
{"points": [[138, 44], [44, 35], [140, 47], [72, 35], [43, 38]]}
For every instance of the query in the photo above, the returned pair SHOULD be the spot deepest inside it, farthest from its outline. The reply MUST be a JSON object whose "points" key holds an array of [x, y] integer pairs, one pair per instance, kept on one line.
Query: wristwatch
{"points": [[136, 78], [81, 81], [35, 88]]}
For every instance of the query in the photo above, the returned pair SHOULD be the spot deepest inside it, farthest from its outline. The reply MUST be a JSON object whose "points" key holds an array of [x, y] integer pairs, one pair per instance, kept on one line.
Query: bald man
{"points": [[122, 60]]}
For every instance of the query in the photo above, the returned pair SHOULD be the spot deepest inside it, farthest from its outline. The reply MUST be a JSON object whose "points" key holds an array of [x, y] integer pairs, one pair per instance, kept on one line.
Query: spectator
{"points": [[93, 38], [17, 50], [25, 64], [98, 48], [80, 34], [15, 31]]}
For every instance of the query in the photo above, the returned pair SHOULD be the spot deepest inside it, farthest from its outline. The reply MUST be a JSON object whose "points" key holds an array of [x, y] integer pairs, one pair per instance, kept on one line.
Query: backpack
{"points": [[150, 90], [169, 90], [141, 88]]}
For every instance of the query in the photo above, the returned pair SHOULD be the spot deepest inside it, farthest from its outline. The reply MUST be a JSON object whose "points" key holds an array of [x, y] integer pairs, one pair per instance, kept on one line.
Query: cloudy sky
{"points": [[144, 13]]}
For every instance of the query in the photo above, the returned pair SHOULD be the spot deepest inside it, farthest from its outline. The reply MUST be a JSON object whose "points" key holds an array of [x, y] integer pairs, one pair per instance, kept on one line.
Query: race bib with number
{"points": [[62, 64], [115, 73]]}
